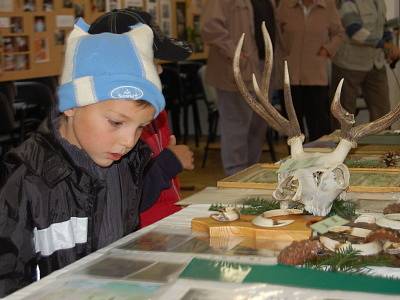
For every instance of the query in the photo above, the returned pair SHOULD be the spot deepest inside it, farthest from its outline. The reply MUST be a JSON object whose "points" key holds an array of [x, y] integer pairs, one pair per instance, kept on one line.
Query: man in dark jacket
{"points": [[75, 185]]}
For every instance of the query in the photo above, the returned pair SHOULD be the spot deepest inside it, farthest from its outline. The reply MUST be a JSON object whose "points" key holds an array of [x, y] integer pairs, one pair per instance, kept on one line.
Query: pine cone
{"points": [[298, 252], [391, 159], [392, 209]]}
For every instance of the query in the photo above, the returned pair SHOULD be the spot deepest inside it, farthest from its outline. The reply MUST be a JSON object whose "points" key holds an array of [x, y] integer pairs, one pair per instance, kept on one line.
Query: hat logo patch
{"points": [[127, 92]]}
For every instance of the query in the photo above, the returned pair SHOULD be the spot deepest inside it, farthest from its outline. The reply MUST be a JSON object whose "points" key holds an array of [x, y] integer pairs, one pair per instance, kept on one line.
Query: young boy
{"points": [[157, 134], [75, 185]]}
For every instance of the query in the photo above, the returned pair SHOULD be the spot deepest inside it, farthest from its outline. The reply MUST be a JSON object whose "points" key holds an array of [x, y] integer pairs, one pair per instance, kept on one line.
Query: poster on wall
{"points": [[98, 5], [152, 9], [181, 32], [6, 5], [113, 4], [138, 4], [41, 50], [196, 6], [165, 17]]}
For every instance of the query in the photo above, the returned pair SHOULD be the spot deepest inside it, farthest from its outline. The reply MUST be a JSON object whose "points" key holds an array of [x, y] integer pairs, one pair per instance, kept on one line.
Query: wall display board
{"points": [[32, 37], [33, 32]]}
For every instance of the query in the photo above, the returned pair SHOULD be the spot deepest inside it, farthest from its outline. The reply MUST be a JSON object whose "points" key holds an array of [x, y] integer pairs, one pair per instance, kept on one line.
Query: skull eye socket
{"points": [[339, 176], [317, 176], [290, 184], [288, 187]]}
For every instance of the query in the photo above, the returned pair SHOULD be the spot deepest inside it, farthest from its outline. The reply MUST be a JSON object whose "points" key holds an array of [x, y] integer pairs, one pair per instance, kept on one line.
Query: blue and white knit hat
{"points": [[108, 66]]}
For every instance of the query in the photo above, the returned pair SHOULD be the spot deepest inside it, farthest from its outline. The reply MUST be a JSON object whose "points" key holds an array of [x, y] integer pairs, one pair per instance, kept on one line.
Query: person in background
{"points": [[361, 59], [311, 34], [158, 133], [75, 185], [243, 132]]}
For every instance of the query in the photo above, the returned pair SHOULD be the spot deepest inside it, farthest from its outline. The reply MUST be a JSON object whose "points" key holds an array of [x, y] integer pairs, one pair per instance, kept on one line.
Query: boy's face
{"points": [[106, 130]]}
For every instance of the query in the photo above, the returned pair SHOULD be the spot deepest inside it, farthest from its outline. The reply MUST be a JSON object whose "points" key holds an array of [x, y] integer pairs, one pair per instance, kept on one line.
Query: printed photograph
{"points": [[48, 5], [40, 23], [16, 24], [159, 272], [67, 3], [59, 37], [9, 44], [96, 289], [115, 267], [29, 5], [113, 4], [41, 50], [21, 44], [98, 5], [181, 20], [9, 63], [156, 241], [21, 62]]}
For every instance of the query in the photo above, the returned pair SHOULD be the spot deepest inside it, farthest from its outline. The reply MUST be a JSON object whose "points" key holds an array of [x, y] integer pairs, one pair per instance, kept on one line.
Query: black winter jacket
{"points": [[51, 210]]}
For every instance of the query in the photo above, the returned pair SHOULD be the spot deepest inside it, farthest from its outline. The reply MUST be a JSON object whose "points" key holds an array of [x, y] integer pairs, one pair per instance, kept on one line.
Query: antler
{"points": [[262, 106], [346, 120]]}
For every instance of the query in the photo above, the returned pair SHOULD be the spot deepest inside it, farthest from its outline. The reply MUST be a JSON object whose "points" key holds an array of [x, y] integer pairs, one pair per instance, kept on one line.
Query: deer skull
{"points": [[315, 179]]}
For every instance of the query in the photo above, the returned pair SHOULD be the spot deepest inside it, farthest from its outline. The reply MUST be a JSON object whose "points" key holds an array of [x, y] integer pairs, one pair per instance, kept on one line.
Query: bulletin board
{"points": [[33, 32]]}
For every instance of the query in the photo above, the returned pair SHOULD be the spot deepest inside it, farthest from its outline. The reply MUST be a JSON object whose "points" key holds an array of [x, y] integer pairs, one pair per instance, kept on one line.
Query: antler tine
{"points": [[345, 118], [268, 61], [293, 126], [254, 104], [375, 126], [269, 108]]}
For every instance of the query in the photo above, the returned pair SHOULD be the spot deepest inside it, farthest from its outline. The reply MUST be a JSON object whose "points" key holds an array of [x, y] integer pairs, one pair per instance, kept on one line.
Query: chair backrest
{"points": [[7, 121], [37, 97], [209, 91]]}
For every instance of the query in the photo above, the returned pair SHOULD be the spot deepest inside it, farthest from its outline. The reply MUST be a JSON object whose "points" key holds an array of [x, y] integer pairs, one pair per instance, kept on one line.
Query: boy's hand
{"points": [[182, 152]]}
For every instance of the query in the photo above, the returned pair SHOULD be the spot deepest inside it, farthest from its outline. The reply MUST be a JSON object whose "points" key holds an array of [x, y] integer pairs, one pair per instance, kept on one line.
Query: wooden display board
{"points": [[33, 32], [296, 231], [264, 176]]}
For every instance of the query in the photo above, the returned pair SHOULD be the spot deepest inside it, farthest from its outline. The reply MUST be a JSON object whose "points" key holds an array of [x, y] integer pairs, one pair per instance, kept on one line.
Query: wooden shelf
{"points": [[45, 54]]}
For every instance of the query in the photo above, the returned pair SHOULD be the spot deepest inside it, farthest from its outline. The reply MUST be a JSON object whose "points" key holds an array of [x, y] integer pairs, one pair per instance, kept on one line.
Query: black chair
{"points": [[192, 92], [181, 90], [171, 87], [10, 131], [32, 103]]}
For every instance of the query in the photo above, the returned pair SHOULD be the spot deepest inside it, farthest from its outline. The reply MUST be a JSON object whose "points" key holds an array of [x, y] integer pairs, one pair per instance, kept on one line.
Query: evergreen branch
{"points": [[258, 205], [344, 209], [347, 260]]}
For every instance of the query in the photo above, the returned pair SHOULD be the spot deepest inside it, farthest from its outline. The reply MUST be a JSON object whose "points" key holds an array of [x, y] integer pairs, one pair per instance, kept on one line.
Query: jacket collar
{"points": [[321, 3]]}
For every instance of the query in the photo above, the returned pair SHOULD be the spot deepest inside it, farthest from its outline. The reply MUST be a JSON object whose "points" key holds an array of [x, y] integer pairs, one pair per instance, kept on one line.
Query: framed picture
{"points": [[8, 44], [67, 3], [98, 5], [59, 37], [113, 4], [181, 20], [152, 9], [134, 4], [48, 5], [29, 5], [39, 24], [16, 24], [21, 62], [9, 63], [6, 5], [41, 50], [21, 44]]}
